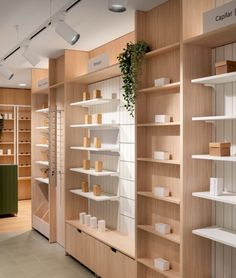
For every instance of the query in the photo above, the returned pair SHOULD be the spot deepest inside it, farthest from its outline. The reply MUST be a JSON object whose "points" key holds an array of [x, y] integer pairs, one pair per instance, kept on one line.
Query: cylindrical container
{"points": [[85, 186], [97, 94], [87, 219], [86, 164], [97, 142], [9, 151], [94, 222], [97, 119], [98, 166], [82, 217], [101, 225], [86, 96], [86, 142], [87, 119], [97, 190]]}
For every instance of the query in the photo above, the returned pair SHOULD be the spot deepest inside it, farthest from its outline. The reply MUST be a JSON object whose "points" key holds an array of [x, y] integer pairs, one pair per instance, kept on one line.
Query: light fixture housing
{"points": [[117, 6], [66, 32], [30, 56], [22, 84], [5, 72]]}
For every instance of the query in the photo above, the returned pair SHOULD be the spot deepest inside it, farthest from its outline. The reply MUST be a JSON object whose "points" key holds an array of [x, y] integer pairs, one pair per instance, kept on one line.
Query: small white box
{"points": [[216, 186], [94, 222], [162, 118], [9, 151], [101, 225], [87, 219], [162, 228], [1, 151], [161, 155], [161, 81], [82, 217], [161, 191], [10, 116], [161, 264]]}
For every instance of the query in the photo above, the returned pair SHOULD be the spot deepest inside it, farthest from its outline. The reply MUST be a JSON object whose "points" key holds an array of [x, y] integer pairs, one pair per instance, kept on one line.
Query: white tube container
{"points": [[161, 264], [82, 217], [94, 222], [158, 155], [87, 219], [162, 118], [163, 228], [161, 191], [101, 225], [216, 186], [9, 151], [10, 116], [161, 81], [1, 151]]}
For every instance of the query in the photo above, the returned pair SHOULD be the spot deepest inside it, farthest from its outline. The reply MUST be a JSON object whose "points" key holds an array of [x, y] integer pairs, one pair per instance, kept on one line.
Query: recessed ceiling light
{"points": [[117, 6], [22, 84]]}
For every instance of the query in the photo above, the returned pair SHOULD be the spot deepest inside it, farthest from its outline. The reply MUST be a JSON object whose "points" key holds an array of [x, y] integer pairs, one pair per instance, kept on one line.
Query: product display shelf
{"points": [[150, 264], [24, 178], [170, 199], [25, 154], [172, 88], [226, 197], [96, 126], [162, 50], [112, 238], [150, 229], [42, 128], [214, 118], [95, 101], [42, 162], [7, 155], [6, 143], [216, 79], [170, 161], [214, 158], [107, 148], [89, 195], [42, 146], [24, 166], [43, 110], [218, 234], [92, 172], [158, 124], [43, 180]]}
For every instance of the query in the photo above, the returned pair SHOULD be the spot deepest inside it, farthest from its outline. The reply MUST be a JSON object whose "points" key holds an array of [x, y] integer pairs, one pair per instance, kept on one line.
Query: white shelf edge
{"points": [[214, 158], [43, 110], [43, 180], [96, 126], [218, 234], [214, 118], [92, 172], [90, 196], [40, 162], [42, 145], [226, 197], [216, 79], [95, 101], [42, 127], [91, 149]]}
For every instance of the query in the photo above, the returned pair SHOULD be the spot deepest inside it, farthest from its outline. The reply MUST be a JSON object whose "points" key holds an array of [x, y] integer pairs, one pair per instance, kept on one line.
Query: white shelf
{"points": [[91, 196], [92, 172], [44, 110], [106, 148], [43, 180], [226, 197], [216, 79], [214, 118], [218, 234], [42, 145], [42, 127], [214, 158], [97, 126], [95, 101], [41, 162]]}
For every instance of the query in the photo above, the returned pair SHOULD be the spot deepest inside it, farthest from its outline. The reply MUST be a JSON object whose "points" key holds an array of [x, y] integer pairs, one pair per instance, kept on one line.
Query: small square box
{"points": [[161, 81], [161, 155], [162, 228], [85, 186], [97, 94], [97, 190], [162, 118], [86, 164], [216, 186], [225, 66], [161, 264], [98, 166], [87, 119], [97, 142], [161, 191], [86, 96], [86, 142], [97, 118], [219, 149]]}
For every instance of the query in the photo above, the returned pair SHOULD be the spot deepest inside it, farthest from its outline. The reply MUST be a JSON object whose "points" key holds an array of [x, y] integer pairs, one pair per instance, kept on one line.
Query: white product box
{"points": [[161, 81], [8, 151], [1, 151], [161, 155], [161, 191], [162, 228], [162, 118], [216, 186], [101, 225], [161, 264], [87, 219], [5, 116], [10, 116], [94, 222], [82, 217]]}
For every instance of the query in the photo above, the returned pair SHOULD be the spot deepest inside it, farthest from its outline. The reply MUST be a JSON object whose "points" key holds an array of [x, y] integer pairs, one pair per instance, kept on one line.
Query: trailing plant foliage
{"points": [[130, 62]]}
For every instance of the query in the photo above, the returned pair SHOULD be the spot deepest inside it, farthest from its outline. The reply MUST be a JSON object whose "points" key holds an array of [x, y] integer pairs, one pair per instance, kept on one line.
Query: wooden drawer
{"points": [[80, 246]]}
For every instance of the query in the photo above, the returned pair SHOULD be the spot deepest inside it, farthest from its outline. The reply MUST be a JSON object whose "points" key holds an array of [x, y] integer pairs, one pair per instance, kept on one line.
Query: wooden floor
{"points": [[21, 222]]}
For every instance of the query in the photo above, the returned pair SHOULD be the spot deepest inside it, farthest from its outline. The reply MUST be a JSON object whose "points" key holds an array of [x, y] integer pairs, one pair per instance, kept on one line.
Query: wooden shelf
{"points": [[170, 88], [162, 50], [46, 146], [91, 196], [214, 118], [43, 180], [95, 101], [24, 178], [218, 234], [150, 264], [92, 172], [5, 155], [102, 149], [145, 159], [24, 166], [99, 75], [96, 126], [24, 143], [25, 120], [219, 37], [25, 154], [57, 85], [214, 158], [43, 110], [25, 131], [216, 79], [43, 163], [114, 239], [226, 197], [159, 124], [41, 91], [150, 229], [169, 199], [7, 131], [6, 143]]}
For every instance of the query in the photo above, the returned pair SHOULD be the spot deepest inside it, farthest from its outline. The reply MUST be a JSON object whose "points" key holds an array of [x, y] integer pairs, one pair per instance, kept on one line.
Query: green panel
{"points": [[8, 189]]}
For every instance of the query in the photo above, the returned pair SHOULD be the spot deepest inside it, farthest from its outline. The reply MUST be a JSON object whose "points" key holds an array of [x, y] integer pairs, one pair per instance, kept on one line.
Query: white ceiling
{"points": [[90, 18]]}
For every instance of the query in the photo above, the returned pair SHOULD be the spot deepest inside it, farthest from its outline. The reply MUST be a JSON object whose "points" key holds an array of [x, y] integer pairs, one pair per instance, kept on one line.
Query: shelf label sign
{"points": [[219, 17], [98, 62]]}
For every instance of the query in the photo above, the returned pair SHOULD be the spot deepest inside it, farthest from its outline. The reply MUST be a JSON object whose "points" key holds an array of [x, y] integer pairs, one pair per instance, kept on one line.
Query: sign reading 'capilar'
{"points": [[219, 17]]}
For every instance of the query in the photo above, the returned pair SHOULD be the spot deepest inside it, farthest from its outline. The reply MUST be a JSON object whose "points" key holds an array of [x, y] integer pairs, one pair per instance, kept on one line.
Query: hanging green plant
{"points": [[130, 62]]}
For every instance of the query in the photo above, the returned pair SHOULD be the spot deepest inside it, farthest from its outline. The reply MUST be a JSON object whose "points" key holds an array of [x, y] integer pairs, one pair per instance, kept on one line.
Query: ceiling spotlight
{"points": [[117, 6], [66, 32], [22, 84], [30, 56], [5, 72]]}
